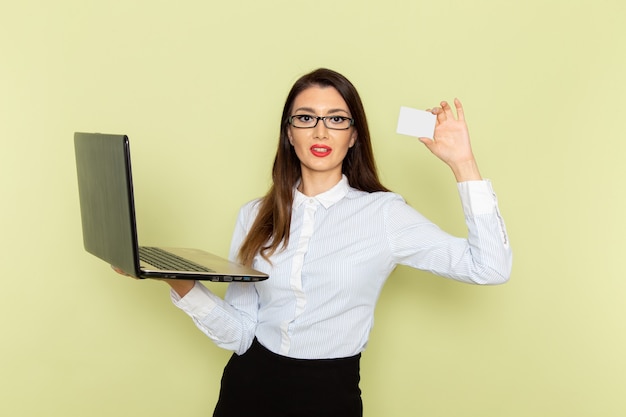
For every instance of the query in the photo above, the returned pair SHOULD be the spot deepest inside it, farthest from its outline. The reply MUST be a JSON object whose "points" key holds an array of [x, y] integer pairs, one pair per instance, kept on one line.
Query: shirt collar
{"points": [[327, 198]]}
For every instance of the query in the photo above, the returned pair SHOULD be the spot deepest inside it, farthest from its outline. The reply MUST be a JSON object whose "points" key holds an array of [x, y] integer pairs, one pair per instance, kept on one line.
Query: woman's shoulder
{"points": [[250, 209], [251, 206]]}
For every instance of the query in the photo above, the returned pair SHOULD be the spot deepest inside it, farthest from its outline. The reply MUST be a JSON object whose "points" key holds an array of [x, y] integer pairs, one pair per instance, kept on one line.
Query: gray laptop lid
{"points": [[109, 224], [107, 215]]}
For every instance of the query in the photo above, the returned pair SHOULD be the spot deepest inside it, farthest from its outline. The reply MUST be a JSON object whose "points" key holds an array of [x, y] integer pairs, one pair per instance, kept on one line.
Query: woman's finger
{"points": [[119, 271], [459, 109], [441, 115], [447, 110]]}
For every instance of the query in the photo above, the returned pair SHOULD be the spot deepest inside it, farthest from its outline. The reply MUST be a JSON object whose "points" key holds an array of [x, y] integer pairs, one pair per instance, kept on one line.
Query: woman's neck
{"points": [[312, 185]]}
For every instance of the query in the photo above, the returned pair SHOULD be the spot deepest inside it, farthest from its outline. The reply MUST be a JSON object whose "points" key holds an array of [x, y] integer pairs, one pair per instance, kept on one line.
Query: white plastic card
{"points": [[417, 123]]}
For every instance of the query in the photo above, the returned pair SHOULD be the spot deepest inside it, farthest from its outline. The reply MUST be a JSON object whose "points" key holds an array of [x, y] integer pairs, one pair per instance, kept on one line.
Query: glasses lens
{"points": [[337, 122], [303, 120]]}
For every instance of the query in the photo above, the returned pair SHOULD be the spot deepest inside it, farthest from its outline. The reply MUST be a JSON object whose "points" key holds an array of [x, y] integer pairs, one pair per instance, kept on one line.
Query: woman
{"points": [[328, 233]]}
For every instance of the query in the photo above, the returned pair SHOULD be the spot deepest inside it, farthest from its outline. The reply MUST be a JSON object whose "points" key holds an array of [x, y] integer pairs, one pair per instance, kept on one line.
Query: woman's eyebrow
{"points": [[310, 110]]}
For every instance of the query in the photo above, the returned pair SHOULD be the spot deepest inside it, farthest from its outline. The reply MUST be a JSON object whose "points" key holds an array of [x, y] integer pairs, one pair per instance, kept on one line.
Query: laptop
{"points": [[109, 225]]}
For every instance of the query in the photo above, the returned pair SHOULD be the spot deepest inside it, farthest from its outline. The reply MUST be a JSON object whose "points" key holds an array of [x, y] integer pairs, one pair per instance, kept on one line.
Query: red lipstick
{"points": [[321, 150]]}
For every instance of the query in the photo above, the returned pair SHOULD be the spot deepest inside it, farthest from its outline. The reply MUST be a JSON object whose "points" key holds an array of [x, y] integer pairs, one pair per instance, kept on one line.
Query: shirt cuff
{"points": [[477, 197], [197, 303]]}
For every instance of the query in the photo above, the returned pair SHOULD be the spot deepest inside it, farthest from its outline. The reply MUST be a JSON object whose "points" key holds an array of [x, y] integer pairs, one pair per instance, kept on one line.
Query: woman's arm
{"points": [[484, 257]]}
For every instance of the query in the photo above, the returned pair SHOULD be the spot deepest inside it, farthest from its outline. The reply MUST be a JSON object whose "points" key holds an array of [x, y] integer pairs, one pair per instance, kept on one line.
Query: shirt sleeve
{"points": [[229, 322], [484, 257]]}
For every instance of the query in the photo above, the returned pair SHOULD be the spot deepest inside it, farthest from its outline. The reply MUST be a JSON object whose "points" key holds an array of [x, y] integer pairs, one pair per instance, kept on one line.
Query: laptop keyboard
{"points": [[168, 261]]}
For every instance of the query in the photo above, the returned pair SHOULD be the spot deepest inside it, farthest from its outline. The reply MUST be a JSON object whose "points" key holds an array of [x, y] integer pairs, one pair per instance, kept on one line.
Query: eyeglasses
{"points": [[308, 121]]}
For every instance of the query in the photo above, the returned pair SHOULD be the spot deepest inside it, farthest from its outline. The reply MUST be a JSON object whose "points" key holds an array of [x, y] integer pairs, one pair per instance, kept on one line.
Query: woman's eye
{"points": [[336, 119]]}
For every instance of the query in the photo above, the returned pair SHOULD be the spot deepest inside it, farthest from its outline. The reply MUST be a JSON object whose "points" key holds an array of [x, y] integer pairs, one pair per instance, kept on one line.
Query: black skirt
{"points": [[261, 383]]}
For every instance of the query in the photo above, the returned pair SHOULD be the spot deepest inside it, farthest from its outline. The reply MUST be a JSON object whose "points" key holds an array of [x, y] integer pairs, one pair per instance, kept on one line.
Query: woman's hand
{"points": [[451, 142], [181, 286]]}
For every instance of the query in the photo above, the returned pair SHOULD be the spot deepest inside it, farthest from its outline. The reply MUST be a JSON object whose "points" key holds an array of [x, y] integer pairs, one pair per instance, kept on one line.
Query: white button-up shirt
{"points": [[322, 289]]}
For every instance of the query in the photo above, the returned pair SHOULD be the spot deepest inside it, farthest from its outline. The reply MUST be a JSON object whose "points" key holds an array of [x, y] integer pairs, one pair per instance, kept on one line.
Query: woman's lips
{"points": [[321, 150]]}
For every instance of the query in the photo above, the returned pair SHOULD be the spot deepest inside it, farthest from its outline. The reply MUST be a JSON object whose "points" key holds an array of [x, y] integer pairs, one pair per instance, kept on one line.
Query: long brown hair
{"points": [[272, 225]]}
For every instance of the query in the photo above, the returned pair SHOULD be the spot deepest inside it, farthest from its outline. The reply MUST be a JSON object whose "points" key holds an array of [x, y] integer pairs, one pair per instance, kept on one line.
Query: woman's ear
{"points": [[353, 138], [289, 136]]}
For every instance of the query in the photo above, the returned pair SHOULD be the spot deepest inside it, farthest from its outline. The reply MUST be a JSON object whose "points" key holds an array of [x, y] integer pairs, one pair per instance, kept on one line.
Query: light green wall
{"points": [[199, 85]]}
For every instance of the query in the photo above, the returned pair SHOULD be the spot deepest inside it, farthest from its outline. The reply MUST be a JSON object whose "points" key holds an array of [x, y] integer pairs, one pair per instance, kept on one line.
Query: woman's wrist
{"points": [[466, 171], [181, 287]]}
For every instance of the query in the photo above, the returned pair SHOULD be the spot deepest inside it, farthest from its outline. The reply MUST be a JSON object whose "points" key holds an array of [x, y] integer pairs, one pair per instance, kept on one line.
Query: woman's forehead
{"points": [[318, 98]]}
